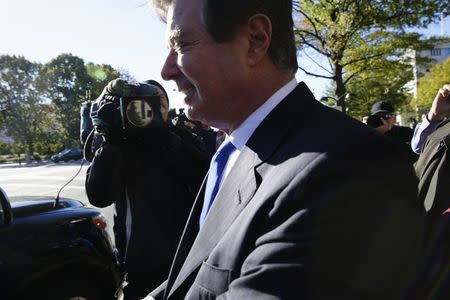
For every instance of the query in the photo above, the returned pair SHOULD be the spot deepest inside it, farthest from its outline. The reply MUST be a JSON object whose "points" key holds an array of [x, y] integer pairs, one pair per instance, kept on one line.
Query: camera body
{"points": [[127, 110]]}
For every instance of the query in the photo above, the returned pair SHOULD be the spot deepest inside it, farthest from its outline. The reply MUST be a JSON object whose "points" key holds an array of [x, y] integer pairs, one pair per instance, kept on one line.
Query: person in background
{"points": [[385, 116], [364, 119], [85, 121], [412, 123], [439, 111], [151, 177], [293, 207]]}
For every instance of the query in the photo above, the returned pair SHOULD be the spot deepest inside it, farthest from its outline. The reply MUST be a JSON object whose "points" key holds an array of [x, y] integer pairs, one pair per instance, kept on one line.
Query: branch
{"points": [[317, 64], [363, 58], [310, 21], [313, 74], [354, 74], [298, 31], [314, 47], [350, 33]]}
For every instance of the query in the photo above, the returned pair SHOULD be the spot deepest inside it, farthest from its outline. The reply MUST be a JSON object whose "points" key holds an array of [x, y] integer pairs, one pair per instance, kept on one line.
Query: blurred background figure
{"points": [[383, 120], [412, 123], [85, 120], [201, 130], [439, 111], [89, 139], [432, 140], [364, 119]]}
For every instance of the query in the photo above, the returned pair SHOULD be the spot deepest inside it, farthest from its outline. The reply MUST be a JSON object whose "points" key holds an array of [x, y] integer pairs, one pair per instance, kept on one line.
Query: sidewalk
{"points": [[23, 164]]}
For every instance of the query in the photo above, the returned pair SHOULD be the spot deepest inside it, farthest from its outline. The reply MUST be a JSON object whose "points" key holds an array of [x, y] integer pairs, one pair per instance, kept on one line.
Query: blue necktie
{"points": [[216, 169]]}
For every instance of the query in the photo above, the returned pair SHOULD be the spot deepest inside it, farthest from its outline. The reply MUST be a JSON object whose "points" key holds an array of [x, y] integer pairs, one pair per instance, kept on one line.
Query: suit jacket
{"points": [[317, 206]]}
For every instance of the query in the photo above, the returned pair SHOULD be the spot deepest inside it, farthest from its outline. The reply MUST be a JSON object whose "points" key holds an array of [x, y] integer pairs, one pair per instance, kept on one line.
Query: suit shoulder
{"points": [[332, 131]]}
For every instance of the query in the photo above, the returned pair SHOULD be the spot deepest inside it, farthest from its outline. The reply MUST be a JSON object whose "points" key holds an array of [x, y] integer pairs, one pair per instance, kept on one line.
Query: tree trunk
{"points": [[340, 90], [29, 153]]}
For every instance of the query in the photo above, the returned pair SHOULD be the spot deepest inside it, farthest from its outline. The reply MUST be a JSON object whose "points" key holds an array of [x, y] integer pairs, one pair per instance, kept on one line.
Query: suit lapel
{"points": [[236, 191], [187, 238]]}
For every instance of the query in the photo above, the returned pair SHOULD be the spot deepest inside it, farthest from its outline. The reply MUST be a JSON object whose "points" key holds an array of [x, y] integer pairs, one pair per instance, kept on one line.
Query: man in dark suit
{"points": [[311, 204]]}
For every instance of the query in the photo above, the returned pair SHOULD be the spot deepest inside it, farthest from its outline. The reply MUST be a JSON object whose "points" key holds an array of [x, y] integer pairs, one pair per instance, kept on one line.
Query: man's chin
{"points": [[190, 113], [193, 114]]}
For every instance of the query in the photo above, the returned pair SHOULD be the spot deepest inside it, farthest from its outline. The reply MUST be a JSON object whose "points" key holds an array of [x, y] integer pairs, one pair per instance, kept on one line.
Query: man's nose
{"points": [[170, 68]]}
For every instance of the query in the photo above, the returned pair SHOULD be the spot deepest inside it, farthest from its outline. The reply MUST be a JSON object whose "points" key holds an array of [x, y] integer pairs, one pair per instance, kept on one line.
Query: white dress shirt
{"points": [[240, 136]]}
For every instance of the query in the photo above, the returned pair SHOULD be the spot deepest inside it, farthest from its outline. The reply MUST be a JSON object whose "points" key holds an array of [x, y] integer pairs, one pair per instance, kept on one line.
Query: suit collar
{"points": [[239, 186], [291, 112], [242, 134]]}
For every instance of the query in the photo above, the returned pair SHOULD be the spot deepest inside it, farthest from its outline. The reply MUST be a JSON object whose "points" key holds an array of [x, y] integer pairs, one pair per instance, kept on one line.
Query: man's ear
{"points": [[260, 36]]}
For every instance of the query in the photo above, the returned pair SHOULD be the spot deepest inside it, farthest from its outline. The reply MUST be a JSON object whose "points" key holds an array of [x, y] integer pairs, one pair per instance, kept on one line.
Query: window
{"points": [[436, 52]]}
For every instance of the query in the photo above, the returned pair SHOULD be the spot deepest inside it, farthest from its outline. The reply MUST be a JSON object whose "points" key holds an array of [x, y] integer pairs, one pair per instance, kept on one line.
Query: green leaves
{"points": [[66, 80], [430, 83], [359, 39], [42, 102], [24, 105]]}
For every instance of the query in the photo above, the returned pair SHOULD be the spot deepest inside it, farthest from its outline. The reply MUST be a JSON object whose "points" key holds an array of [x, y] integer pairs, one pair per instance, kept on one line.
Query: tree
{"points": [[68, 81], [25, 114], [360, 35], [430, 83], [65, 81], [100, 75], [40, 104], [387, 81], [51, 139]]}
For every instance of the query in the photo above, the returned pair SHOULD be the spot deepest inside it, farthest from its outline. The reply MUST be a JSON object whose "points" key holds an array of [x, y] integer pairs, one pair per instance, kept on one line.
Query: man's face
{"points": [[207, 73], [388, 117]]}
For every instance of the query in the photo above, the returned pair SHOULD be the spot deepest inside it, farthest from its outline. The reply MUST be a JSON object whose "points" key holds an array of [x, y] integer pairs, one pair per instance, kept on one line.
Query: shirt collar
{"points": [[240, 136]]}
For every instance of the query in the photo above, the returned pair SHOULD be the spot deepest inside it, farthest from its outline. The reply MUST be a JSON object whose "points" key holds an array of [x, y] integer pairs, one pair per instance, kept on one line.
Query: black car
{"points": [[68, 154], [55, 250]]}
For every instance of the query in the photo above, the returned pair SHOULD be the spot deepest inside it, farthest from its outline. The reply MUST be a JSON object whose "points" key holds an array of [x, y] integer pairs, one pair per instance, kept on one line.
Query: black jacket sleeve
{"points": [[105, 182]]}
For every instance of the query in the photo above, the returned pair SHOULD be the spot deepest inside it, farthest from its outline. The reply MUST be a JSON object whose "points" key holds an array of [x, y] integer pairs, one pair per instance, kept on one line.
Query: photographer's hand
{"points": [[441, 105]]}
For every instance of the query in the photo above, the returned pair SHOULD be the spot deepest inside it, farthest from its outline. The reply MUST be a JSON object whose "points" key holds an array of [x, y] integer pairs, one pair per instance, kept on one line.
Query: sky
{"points": [[125, 34]]}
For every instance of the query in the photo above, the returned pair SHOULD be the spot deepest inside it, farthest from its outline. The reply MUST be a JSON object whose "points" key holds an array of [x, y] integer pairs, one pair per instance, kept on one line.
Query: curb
{"points": [[24, 165]]}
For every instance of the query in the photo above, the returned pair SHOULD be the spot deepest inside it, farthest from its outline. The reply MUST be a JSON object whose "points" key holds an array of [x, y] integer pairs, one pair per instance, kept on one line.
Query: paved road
{"points": [[46, 179]]}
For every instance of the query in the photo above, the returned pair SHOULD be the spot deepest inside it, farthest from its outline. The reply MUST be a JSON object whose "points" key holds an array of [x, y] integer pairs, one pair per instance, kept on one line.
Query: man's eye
{"points": [[181, 46]]}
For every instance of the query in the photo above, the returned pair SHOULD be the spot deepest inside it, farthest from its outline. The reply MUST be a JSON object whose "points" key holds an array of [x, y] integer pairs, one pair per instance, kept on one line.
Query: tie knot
{"points": [[226, 149], [222, 155]]}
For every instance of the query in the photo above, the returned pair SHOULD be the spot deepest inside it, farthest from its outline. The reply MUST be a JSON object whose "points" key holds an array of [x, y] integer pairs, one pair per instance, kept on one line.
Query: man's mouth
{"points": [[188, 93]]}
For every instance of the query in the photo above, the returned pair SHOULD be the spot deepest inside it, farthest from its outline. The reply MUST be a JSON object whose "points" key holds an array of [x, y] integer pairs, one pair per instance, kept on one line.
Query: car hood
{"points": [[26, 206]]}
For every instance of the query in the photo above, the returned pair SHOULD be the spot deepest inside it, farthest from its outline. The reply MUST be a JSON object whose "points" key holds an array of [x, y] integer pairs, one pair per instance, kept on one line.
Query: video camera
{"points": [[123, 111], [128, 110]]}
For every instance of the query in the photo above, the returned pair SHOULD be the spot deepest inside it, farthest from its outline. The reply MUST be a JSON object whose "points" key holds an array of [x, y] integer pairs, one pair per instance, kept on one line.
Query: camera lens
{"points": [[139, 113]]}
